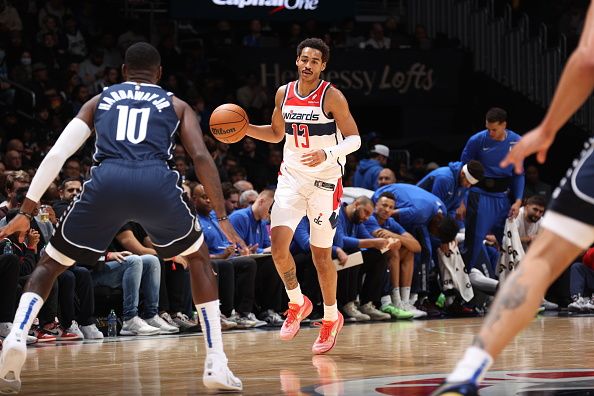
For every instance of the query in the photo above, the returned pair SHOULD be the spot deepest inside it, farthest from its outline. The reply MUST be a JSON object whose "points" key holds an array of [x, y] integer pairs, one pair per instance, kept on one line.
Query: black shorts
{"points": [[118, 192]]}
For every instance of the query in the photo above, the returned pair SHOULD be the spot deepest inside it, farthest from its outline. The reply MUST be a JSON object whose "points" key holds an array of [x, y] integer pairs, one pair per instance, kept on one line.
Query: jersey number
{"points": [[305, 133], [127, 124]]}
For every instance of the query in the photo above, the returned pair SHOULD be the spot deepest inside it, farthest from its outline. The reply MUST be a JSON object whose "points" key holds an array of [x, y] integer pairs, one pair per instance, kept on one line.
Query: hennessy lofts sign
{"points": [[368, 77], [264, 9]]}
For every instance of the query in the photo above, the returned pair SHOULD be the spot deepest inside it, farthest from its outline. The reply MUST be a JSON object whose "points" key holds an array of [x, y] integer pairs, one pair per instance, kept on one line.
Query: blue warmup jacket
{"points": [[249, 229], [366, 174], [444, 183], [213, 236], [392, 225]]}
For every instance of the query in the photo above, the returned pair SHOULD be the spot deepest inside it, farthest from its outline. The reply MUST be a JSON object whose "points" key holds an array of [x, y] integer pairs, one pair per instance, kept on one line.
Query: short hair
{"points": [[447, 229], [227, 192], [364, 200], [68, 180], [142, 56], [538, 200], [476, 169], [387, 194], [496, 114], [266, 193], [16, 176], [243, 198], [317, 44]]}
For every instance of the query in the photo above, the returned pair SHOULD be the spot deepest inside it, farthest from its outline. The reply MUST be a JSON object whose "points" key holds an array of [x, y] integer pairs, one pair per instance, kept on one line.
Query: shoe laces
{"points": [[325, 329], [290, 313]]}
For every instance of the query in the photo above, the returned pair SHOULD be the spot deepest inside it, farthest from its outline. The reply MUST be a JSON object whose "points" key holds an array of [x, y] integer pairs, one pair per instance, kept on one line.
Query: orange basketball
{"points": [[229, 123]]}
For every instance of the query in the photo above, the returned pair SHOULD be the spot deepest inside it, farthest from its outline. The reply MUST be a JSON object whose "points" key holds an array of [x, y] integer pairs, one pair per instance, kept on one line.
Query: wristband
{"points": [[222, 218], [27, 215]]}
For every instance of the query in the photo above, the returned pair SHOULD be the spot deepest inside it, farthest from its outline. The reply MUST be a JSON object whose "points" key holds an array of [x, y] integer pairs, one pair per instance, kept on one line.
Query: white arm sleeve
{"points": [[73, 136], [349, 145]]}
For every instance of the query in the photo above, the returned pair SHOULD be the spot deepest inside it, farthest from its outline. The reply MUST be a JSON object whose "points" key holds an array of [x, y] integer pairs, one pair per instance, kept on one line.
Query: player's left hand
{"points": [[18, 223], [515, 210], [231, 234], [313, 158]]}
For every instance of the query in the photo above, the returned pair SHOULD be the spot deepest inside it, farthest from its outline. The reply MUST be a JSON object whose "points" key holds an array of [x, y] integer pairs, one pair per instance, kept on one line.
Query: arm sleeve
{"points": [[518, 183], [73, 137], [349, 145], [469, 152]]}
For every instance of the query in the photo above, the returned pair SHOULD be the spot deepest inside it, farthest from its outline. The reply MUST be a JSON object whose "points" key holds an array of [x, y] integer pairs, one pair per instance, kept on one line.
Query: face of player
{"points": [[231, 203], [309, 64], [496, 130], [71, 188], [384, 208], [534, 212], [464, 181], [385, 177], [362, 212]]}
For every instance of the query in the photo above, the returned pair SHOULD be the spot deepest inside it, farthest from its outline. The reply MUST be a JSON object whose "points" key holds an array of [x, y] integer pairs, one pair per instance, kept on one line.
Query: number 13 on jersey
{"points": [[304, 129]]}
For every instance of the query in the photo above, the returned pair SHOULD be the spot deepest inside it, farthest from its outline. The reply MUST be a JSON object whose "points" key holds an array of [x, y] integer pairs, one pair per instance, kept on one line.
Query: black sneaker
{"points": [[457, 389]]}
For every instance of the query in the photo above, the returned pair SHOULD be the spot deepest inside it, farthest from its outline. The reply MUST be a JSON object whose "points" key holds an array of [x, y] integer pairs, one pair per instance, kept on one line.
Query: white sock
{"points": [[396, 300], [330, 312], [26, 313], [210, 321], [385, 301], [405, 294], [472, 367], [295, 295]]}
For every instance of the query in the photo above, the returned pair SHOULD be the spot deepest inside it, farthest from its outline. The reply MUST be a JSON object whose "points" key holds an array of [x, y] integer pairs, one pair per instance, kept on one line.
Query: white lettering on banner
{"points": [[418, 77], [287, 4]]}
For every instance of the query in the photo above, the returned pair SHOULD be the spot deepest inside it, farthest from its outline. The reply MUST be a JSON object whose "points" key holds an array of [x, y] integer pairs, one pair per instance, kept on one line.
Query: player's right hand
{"points": [[18, 223], [342, 256], [536, 141]]}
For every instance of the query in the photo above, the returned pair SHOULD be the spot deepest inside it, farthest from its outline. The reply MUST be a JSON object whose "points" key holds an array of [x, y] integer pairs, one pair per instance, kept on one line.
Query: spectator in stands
{"points": [[400, 261], [422, 40], [392, 31], [72, 169], [355, 237], [237, 173], [243, 185], [10, 20], [13, 160], [80, 95], [92, 69], [368, 169], [247, 198], [295, 36], [253, 38], [251, 225], [69, 189], [529, 219], [14, 182], [237, 304], [450, 184], [252, 96], [534, 186], [385, 177], [55, 8], [75, 42], [377, 40], [231, 196]]}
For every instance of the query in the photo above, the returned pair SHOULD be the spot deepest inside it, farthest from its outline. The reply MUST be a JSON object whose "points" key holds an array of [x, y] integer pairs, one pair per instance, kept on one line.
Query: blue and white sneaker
{"points": [[457, 389]]}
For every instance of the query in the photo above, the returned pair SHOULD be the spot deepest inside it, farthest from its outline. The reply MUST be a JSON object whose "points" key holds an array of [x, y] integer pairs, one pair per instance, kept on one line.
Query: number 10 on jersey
{"points": [[304, 129]]}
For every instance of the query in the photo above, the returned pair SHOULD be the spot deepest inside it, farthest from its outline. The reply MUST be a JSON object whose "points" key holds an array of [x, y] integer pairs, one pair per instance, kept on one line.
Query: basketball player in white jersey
{"points": [[320, 131]]}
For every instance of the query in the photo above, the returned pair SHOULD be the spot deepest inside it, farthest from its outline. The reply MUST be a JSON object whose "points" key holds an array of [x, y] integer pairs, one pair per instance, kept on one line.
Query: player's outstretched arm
{"points": [[575, 86], [72, 138], [204, 166], [275, 132]]}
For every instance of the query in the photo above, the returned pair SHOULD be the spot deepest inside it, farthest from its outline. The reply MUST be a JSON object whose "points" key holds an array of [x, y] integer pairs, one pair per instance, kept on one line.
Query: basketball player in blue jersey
{"points": [[320, 131], [568, 224], [492, 195], [135, 123]]}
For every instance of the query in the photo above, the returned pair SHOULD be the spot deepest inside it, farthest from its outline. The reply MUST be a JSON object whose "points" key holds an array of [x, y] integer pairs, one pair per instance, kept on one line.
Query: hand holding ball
{"points": [[229, 123]]}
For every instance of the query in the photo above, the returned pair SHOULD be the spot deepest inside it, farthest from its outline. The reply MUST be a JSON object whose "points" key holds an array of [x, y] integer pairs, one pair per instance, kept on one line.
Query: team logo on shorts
{"points": [[318, 220]]}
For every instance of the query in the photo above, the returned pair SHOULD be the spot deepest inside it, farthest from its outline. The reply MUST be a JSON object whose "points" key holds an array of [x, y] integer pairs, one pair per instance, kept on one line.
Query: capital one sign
{"points": [[278, 4]]}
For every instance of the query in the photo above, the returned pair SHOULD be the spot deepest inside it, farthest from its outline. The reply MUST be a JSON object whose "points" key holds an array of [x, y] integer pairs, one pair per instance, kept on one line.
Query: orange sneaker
{"points": [[328, 332], [295, 314]]}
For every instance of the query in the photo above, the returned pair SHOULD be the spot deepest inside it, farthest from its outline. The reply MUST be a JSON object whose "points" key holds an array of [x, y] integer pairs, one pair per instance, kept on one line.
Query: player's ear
{"points": [[125, 72], [323, 66], [297, 62], [159, 73]]}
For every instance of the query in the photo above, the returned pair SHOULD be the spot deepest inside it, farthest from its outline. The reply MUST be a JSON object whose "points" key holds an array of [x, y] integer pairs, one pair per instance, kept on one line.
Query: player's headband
{"points": [[469, 177]]}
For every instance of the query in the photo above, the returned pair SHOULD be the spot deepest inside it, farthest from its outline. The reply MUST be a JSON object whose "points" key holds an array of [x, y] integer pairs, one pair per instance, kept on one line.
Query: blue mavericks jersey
{"points": [[136, 122]]}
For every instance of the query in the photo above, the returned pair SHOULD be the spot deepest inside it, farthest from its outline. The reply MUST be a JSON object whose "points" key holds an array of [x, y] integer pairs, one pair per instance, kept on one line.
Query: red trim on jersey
{"points": [[280, 167], [337, 195], [313, 99]]}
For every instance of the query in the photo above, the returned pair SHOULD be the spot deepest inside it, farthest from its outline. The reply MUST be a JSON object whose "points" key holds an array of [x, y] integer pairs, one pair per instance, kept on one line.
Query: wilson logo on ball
{"points": [[222, 131]]}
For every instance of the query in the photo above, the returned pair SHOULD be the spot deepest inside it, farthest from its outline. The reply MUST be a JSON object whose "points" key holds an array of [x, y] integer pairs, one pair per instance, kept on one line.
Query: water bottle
{"points": [[112, 324]]}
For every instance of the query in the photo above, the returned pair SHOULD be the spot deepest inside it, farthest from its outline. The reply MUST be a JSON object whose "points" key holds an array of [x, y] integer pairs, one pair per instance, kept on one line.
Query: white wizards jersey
{"points": [[308, 128]]}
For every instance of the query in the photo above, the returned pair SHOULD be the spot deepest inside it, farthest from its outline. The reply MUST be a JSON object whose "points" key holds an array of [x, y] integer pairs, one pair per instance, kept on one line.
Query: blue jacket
{"points": [[366, 174], [301, 238], [490, 152], [249, 229], [444, 183], [351, 232], [416, 207], [213, 236], [391, 225]]}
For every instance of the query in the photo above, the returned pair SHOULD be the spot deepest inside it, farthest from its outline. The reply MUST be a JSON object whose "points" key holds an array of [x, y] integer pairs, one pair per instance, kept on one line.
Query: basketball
{"points": [[229, 123]]}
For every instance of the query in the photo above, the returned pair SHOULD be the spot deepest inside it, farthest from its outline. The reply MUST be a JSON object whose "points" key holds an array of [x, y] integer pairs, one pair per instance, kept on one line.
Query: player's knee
{"points": [[134, 262]]}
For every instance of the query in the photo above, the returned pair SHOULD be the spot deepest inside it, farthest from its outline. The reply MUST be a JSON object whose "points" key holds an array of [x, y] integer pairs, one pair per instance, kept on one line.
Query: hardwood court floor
{"points": [[368, 359]]}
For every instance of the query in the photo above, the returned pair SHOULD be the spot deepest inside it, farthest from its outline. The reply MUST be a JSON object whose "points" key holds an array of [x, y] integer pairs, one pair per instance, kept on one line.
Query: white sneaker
{"points": [[350, 309], [164, 327], [258, 323], [14, 354], [373, 312], [137, 326], [74, 329], [549, 306], [91, 332], [217, 375], [167, 318], [227, 323], [5, 328], [417, 313]]}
